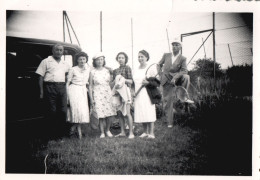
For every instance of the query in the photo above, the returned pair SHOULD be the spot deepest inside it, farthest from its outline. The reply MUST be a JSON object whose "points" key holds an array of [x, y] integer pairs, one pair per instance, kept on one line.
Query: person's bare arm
{"points": [[129, 81], [91, 89]]}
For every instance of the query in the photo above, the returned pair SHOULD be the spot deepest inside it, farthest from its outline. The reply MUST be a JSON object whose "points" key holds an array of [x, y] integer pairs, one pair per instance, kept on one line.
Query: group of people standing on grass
{"points": [[109, 91]]}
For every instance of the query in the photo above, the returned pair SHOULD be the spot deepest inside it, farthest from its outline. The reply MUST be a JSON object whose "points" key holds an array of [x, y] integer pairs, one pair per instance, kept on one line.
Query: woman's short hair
{"points": [[126, 57], [145, 53], [81, 54], [94, 61]]}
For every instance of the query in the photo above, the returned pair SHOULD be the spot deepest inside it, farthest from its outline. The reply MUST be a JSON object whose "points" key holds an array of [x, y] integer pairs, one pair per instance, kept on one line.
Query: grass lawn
{"points": [[213, 139], [174, 151]]}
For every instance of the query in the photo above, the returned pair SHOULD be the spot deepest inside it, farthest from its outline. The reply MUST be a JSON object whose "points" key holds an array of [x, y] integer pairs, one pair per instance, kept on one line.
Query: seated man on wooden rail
{"points": [[175, 73]]}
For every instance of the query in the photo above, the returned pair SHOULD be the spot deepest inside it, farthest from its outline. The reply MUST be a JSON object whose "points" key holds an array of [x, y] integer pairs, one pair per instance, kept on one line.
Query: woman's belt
{"points": [[78, 84], [58, 83]]}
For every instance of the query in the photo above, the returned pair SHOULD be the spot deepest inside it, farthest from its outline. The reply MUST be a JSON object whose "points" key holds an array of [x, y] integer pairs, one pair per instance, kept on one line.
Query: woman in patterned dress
{"points": [[100, 94], [78, 78], [144, 109]]}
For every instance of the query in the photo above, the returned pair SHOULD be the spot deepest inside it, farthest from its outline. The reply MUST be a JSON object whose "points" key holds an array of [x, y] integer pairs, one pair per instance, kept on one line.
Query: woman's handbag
{"points": [[94, 121]]}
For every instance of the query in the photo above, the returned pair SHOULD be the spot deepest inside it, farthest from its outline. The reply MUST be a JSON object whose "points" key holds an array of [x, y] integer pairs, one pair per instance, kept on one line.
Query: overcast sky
{"points": [[149, 32]]}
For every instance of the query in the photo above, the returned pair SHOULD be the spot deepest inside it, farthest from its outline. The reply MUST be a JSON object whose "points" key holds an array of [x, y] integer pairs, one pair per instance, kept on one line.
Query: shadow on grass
{"points": [[226, 123], [23, 141]]}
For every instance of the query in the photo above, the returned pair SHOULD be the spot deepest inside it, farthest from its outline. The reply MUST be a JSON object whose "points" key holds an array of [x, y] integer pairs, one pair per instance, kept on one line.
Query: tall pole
{"points": [[168, 40], [199, 48], [68, 20], [63, 19], [205, 56], [132, 43], [230, 55], [101, 31], [214, 48], [181, 42]]}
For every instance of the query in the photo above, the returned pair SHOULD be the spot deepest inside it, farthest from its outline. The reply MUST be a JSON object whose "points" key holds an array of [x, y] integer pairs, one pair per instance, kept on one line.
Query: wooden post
{"points": [[230, 55], [168, 40], [68, 20], [101, 31], [205, 56], [132, 40], [63, 16], [214, 48], [68, 28]]}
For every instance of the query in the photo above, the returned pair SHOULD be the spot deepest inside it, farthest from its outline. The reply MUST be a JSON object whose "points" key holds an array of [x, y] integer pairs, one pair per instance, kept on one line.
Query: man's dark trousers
{"points": [[56, 100]]}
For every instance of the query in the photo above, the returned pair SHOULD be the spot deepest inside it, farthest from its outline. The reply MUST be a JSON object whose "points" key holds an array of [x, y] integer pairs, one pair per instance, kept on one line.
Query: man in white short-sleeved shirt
{"points": [[52, 82]]}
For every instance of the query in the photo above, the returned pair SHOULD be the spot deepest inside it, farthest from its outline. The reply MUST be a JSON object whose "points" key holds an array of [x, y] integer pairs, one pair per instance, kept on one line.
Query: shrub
{"points": [[240, 78]]}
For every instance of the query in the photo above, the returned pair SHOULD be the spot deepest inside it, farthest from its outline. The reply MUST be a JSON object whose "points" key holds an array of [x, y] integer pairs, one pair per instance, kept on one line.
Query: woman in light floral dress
{"points": [[100, 94]]}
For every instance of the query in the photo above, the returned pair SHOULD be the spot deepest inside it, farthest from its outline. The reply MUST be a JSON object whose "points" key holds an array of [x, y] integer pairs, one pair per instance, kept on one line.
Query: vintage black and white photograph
{"points": [[131, 91]]}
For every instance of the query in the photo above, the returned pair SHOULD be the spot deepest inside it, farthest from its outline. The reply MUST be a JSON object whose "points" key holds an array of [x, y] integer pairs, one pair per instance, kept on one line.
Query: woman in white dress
{"points": [[101, 94], [77, 82], [144, 110]]}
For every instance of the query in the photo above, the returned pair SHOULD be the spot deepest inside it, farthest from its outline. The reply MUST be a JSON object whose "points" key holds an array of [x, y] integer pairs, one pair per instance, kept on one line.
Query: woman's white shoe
{"points": [[131, 136], [143, 135], [151, 136], [109, 134]]}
